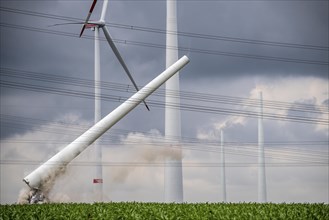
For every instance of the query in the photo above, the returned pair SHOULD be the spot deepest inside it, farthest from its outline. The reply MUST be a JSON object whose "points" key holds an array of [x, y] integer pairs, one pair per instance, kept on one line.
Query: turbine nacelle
{"points": [[93, 24]]}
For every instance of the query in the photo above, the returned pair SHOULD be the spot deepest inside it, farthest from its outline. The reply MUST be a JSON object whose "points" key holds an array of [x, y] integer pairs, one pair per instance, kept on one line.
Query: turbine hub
{"points": [[95, 23]]}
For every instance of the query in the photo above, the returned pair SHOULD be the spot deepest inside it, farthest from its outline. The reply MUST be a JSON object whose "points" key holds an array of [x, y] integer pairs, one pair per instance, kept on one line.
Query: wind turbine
{"points": [[222, 166], [101, 24], [262, 197], [173, 172], [96, 25]]}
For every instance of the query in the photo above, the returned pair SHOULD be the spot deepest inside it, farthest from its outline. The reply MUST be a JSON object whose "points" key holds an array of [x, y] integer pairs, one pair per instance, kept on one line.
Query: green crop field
{"points": [[134, 210]]}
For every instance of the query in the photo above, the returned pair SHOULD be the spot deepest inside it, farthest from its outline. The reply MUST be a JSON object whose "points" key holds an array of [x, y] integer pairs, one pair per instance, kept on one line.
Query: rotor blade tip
{"points": [[147, 108], [82, 30]]}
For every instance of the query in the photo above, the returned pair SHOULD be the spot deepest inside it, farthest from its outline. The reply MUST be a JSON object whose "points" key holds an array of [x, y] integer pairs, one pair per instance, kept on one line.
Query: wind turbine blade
{"points": [[104, 10], [88, 16], [67, 23], [82, 30], [117, 54]]}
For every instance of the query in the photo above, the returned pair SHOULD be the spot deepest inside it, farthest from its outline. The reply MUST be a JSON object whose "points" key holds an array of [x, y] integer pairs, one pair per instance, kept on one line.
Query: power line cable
{"points": [[184, 95], [287, 153], [161, 46], [161, 31], [77, 125], [162, 164], [161, 104]]}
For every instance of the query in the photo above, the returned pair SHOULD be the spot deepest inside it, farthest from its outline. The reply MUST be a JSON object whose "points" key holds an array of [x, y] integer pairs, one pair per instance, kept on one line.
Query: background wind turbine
{"points": [[222, 166], [261, 157], [173, 170], [96, 25], [101, 24]]}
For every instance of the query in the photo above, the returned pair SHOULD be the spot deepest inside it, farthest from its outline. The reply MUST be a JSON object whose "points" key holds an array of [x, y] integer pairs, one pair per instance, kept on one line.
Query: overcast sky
{"points": [[236, 48]]}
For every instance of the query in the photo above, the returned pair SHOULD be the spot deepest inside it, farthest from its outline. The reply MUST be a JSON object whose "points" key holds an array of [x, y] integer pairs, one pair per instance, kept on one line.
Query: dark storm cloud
{"points": [[290, 22]]}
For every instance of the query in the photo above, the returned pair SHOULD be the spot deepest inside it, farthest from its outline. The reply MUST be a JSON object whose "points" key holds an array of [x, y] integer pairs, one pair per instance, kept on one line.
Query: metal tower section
{"points": [[98, 178], [261, 157], [222, 165], [173, 175]]}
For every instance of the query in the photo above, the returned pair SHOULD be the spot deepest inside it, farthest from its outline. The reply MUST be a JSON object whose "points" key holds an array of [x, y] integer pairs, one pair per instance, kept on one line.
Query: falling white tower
{"points": [[173, 175], [42, 178], [222, 165], [261, 156]]}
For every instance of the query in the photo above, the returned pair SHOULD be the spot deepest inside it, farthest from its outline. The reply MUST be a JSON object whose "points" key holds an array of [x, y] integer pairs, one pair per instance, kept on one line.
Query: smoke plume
{"points": [[143, 150]]}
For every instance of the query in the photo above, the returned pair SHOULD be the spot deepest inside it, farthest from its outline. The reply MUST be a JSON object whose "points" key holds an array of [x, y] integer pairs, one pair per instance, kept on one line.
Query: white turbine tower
{"points": [[173, 175], [222, 165], [96, 25], [261, 157], [41, 179]]}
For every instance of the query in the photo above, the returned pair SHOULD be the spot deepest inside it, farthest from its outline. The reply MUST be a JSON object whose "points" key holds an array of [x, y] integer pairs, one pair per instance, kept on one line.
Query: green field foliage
{"points": [[134, 210]]}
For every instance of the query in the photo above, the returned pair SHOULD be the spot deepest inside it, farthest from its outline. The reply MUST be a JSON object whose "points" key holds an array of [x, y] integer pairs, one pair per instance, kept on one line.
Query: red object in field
{"points": [[98, 181]]}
